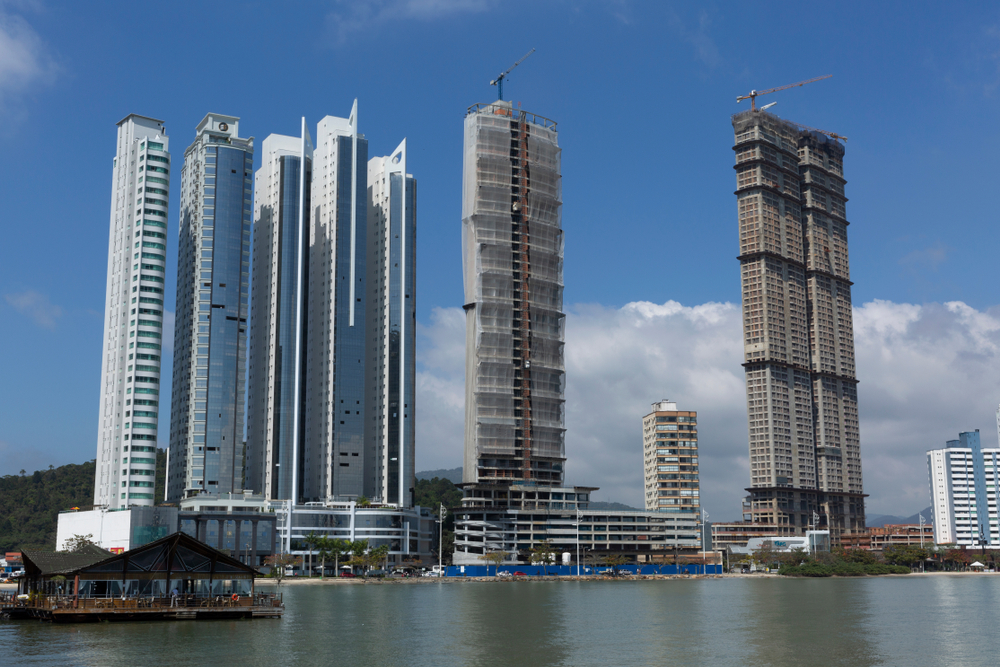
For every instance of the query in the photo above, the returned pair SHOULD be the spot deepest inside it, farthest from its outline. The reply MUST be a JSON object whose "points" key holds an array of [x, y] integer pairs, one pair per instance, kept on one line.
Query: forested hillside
{"points": [[30, 504]]}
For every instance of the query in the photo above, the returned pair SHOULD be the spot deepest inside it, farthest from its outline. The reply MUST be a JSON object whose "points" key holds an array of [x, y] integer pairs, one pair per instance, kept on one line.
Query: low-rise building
{"points": [[878, 538], [812, 542], [561, 516]]}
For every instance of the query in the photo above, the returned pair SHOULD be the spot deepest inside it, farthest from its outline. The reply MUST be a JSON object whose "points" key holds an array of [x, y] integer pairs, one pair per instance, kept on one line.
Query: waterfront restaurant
{"points": [[173, 577]]}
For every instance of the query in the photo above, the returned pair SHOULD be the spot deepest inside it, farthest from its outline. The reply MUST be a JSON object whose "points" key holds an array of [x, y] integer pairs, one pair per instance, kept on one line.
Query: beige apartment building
{"points": [[670, 460]]}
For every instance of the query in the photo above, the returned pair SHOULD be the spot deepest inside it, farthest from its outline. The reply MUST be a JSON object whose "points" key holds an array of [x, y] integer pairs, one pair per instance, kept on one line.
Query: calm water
{"points": [[938, 620]]}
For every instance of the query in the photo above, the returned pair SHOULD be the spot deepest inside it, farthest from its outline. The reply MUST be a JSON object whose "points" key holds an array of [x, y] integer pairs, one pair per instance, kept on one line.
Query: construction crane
{"points": [[832, 135], [498, 82], [754, 93]]}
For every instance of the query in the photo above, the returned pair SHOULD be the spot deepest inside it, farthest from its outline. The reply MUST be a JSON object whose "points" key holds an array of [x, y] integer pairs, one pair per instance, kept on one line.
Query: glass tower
{"points": [[277, 324], [392, 265], [210, 332], [335, 405], [133, 319]]}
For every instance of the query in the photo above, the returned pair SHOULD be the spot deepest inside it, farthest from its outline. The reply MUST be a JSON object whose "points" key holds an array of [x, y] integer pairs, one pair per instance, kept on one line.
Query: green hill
{"points": [[30, 504]]}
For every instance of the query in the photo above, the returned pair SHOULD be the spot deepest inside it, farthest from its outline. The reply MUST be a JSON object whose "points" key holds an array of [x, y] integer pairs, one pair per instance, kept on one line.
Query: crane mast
{"points": [[498, 82]]}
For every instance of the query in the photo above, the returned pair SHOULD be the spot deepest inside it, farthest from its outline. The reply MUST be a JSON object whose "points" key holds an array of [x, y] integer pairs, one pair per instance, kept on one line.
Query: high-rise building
{"points": [[670, 460], [210, 337], [512, 260], [277, 320], [392, 325], [133, 319], [963, 479], [802, 406], [514, 494], [336, 460]]}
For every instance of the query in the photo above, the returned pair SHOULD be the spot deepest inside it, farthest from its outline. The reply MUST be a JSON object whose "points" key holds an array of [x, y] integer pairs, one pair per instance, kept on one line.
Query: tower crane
{"points": [[498, 82], [832, 135], [752, 96]]}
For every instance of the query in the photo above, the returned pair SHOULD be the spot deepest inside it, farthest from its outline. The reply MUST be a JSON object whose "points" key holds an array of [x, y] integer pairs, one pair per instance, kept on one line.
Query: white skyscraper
{"points": [[277, 317], [133, 325], [392, 315]]}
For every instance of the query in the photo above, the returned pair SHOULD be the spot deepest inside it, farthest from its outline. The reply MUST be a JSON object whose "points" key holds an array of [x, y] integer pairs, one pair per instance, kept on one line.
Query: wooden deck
{"points": [[68, 610]]}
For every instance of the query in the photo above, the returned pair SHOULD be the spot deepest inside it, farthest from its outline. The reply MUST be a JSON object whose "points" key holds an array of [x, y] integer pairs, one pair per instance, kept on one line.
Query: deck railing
{"points": [[267, 600]]}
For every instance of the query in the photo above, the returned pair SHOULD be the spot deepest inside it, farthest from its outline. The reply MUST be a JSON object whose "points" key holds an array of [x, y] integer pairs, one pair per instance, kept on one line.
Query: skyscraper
{"points": [[512, 259], [334, 442], [210, 339], [392, 325], [802, 408], [133, 320], [277, 330], [963, 492]]}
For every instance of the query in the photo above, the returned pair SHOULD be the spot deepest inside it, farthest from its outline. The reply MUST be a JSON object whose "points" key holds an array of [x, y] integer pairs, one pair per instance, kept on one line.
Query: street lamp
{"points": [[704, 540], [579, 518], [441, 514], [922, 560]]}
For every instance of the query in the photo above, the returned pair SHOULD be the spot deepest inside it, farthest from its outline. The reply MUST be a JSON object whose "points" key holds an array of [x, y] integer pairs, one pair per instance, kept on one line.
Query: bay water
{"points": [[903, 620]]}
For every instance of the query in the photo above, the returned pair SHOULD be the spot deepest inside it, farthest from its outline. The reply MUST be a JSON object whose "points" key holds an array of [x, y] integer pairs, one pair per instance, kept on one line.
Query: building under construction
{"points": [[512, 259], [802, 401]]}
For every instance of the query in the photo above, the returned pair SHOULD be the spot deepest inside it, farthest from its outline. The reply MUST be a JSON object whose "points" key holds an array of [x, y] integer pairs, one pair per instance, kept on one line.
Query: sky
{"points": [[642, 93]]}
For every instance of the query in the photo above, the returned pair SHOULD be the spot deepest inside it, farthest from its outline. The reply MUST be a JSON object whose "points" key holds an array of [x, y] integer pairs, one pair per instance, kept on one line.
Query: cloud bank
{"points": [[36, 307], [24, 60], [926, 371]]}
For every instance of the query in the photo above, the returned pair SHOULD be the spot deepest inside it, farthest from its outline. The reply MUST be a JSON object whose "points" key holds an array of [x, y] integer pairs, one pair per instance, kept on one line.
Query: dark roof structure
{"points": [[175, 556], [51, 563]]}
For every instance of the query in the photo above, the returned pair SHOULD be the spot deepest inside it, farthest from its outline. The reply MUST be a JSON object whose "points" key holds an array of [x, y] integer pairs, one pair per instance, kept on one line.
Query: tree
{"points": [[856, 555], [494, 558], [363, 501], [543, 553], [338, 548], [379, 555], [591, 560], [311, 541], [359, 555], [904, 555], [765, 555], [959, 557], [614, 561], [278, 563], [78, 542]]}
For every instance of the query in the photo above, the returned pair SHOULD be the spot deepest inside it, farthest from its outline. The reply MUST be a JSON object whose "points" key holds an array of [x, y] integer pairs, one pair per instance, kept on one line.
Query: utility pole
{"points": [[441, 514], [579, 518]]}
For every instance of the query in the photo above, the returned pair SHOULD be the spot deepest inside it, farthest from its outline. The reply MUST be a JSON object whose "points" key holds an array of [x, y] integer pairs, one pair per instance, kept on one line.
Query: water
{"points": [[913, 621]]}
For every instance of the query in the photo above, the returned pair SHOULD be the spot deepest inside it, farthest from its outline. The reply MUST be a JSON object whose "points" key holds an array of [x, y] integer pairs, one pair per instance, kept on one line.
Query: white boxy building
{"points": [[964, 492]]}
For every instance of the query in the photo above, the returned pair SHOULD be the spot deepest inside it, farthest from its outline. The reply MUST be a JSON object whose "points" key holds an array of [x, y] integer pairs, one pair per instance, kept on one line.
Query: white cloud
{"points": [[36, 306], [354, 16], [927, 372], [24, 59]]}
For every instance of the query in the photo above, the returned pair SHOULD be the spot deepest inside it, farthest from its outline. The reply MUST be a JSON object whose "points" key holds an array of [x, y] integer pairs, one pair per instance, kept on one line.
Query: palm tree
{"points": [[311, 541]]}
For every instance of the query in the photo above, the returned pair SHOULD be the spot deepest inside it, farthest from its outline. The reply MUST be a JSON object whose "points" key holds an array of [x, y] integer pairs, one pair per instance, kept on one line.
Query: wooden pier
{"points": [[68, 610]]}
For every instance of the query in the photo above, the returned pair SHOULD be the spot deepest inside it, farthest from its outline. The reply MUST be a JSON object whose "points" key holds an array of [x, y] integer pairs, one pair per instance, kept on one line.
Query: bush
{"points": [[840, 568]]}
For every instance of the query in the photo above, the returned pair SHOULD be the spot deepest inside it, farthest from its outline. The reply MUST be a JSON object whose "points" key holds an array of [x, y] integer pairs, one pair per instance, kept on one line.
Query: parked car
{"points": [[376, 573], [347, 575], [520, 574]]}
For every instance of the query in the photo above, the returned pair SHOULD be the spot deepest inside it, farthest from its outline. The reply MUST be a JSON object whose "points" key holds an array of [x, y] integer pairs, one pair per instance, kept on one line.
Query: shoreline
{"points": [[381, 581]]}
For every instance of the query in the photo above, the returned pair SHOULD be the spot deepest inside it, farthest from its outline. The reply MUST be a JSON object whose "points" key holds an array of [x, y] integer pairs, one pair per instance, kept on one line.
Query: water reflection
{"points": [[934, 620]]}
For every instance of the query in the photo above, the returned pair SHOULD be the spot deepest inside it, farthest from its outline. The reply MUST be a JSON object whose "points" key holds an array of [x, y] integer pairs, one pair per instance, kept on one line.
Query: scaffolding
{"points": [[513, 275]]}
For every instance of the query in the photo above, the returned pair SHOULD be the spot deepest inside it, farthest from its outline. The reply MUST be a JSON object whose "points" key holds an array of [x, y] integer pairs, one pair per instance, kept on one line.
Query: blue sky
{"points": [[642, 93]]}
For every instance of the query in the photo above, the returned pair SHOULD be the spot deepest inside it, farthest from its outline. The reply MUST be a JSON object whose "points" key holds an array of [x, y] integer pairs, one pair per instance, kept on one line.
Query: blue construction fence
{"points": [[570, 570]]}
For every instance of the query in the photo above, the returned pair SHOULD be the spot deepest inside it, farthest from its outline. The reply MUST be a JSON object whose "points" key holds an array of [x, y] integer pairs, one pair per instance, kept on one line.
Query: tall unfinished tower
{"points": [[512, 258], [802, 399]]}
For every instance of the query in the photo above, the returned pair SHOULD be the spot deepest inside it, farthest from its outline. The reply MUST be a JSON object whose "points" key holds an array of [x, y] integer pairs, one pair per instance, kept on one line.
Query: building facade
{"points": [[963, 481], [336, 460], [670, 460], [277, 331], [210, 329], [512, 261], [797, 324], [392, 326], [133, 320]]}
